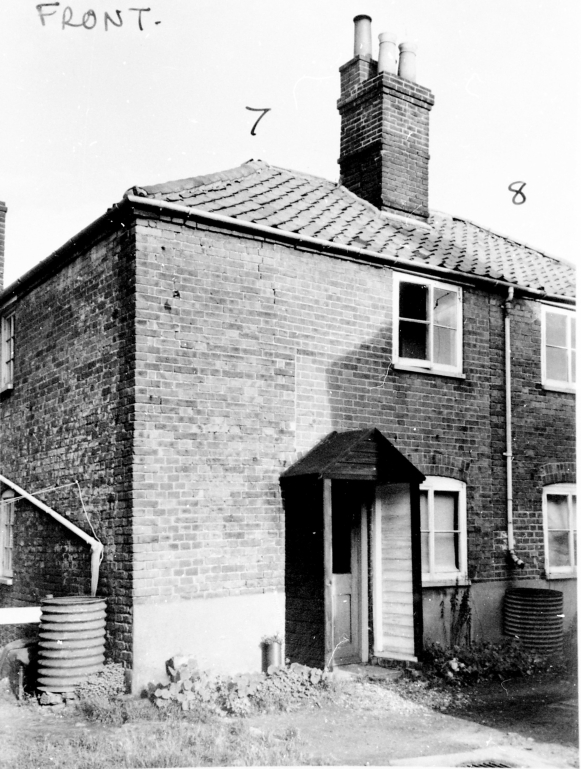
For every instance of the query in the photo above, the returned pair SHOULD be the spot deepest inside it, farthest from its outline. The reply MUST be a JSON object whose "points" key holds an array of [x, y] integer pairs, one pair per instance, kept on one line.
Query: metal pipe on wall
{"points": [[96, 546], [508, 453]]}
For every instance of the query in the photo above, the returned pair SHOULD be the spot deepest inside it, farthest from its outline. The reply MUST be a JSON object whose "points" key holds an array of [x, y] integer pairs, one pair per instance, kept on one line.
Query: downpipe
{"points": [[95, 545], [516, 561]]}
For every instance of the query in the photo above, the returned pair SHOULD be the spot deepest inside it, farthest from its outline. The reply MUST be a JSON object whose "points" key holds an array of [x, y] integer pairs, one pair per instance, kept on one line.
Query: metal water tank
{"points": [[535, 616], [71, 643]]}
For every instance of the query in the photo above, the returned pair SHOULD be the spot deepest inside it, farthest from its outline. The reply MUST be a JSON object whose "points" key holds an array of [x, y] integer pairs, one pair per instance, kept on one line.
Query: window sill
{"points": [[5, 580], [558, 388], [563, 575], [446, 582], [433, 371]]}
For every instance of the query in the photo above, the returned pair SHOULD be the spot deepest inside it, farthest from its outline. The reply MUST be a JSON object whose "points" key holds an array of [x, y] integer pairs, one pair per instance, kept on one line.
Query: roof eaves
{"points": [[92, 233], [351, 252]]}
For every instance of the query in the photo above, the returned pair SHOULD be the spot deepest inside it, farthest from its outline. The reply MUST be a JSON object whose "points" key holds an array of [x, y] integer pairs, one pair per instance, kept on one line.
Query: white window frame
{"points": [[558, 384], [7, 331], [562, 489], [433, 577], [428, 365], [7, 508]]}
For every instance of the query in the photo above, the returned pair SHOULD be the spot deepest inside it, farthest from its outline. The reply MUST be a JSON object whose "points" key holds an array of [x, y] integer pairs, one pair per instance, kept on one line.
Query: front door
{"points": [[346, 559]]}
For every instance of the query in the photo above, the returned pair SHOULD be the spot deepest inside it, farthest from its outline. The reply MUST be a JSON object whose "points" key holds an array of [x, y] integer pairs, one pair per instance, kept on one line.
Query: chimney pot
{"points": [[387, 60], [362, 45], [407, 61]]}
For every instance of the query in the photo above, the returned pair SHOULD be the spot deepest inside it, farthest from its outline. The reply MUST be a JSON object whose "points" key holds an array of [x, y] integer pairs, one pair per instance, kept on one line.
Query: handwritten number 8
{"points": [[517, 191]]}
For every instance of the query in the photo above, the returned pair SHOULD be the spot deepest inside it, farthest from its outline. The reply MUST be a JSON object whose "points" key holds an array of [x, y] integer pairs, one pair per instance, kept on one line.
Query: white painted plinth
{"points": [[223, 635]]}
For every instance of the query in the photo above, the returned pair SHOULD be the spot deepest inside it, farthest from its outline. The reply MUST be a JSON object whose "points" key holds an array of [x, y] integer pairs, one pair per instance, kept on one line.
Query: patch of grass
{"points": [[167, 744], [116, 712]]}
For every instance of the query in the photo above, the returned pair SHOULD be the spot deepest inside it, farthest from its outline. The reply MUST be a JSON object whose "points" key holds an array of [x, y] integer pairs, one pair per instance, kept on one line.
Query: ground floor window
{"points": [[443, 527], [560, 526], [7, 504]]}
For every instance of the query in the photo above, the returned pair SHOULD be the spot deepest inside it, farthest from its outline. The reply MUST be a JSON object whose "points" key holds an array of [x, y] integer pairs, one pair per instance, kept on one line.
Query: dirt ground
{"points": [[366, 722]]}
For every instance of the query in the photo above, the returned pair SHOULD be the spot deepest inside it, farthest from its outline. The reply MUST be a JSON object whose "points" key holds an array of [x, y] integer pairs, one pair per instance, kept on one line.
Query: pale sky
{"points": [[88, 113]]}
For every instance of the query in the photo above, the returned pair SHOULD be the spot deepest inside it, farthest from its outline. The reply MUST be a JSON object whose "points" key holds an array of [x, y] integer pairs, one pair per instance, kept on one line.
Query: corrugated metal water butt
{"points": [[536, 617], [71, 643]]}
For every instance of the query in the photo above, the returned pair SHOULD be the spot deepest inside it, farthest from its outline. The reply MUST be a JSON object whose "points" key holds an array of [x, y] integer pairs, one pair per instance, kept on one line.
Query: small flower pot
{"points": [[271, 655]]}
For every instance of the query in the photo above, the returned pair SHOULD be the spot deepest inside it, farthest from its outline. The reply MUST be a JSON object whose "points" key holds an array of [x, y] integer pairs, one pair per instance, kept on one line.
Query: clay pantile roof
{"points": [[293, 202]]}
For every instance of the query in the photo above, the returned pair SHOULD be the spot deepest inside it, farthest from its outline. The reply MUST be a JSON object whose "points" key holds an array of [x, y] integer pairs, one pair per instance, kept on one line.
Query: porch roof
{"points": [[365, 455]]}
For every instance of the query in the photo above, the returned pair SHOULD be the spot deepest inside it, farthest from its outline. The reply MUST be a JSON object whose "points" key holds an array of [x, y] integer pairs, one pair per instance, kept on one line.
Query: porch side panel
{"points": [[304, 577], [396, 570]]}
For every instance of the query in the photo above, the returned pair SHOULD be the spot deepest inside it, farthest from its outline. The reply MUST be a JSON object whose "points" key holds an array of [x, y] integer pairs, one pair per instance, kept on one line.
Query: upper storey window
{"points": [[429, 325], [7, 352], [559, 345]]}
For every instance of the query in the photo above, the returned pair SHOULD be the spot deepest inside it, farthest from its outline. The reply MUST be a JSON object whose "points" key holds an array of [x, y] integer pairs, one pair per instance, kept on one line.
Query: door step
{"points": [[394, 660]]}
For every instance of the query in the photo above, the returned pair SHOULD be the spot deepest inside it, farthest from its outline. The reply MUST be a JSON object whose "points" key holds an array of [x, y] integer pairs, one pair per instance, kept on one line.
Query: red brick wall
{"points": [[69, 418], [214, 417], [248, 353], [543, 435]]}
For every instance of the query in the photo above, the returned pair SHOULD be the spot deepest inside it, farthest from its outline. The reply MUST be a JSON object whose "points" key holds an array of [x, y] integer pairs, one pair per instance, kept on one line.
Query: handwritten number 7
{"points": [[256, 109]]}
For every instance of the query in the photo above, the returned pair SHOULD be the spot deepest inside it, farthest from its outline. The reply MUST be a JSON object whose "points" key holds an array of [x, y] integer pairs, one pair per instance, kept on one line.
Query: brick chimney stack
{"points": [[3, 210], [385, 126]]}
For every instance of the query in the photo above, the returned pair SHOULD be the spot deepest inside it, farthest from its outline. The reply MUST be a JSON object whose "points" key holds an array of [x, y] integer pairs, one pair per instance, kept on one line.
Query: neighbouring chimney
{"points": [[385, 125], [3, 210]]}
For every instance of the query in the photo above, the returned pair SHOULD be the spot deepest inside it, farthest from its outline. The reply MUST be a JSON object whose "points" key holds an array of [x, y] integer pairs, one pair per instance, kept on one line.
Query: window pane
{"points": [[445, 305], [573, 367], [559, 548], [446, 547], [556, 329], [425, 553], [556, 363], [342, 521], [444, 346], [574, 504], [413, 340], [573, 333], [413, 301], [424, 510], [557, 511], [445, 511]]}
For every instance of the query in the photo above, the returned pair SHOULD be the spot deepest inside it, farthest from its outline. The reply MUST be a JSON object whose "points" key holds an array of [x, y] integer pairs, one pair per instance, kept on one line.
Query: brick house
{"points": [[280, 403]]}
